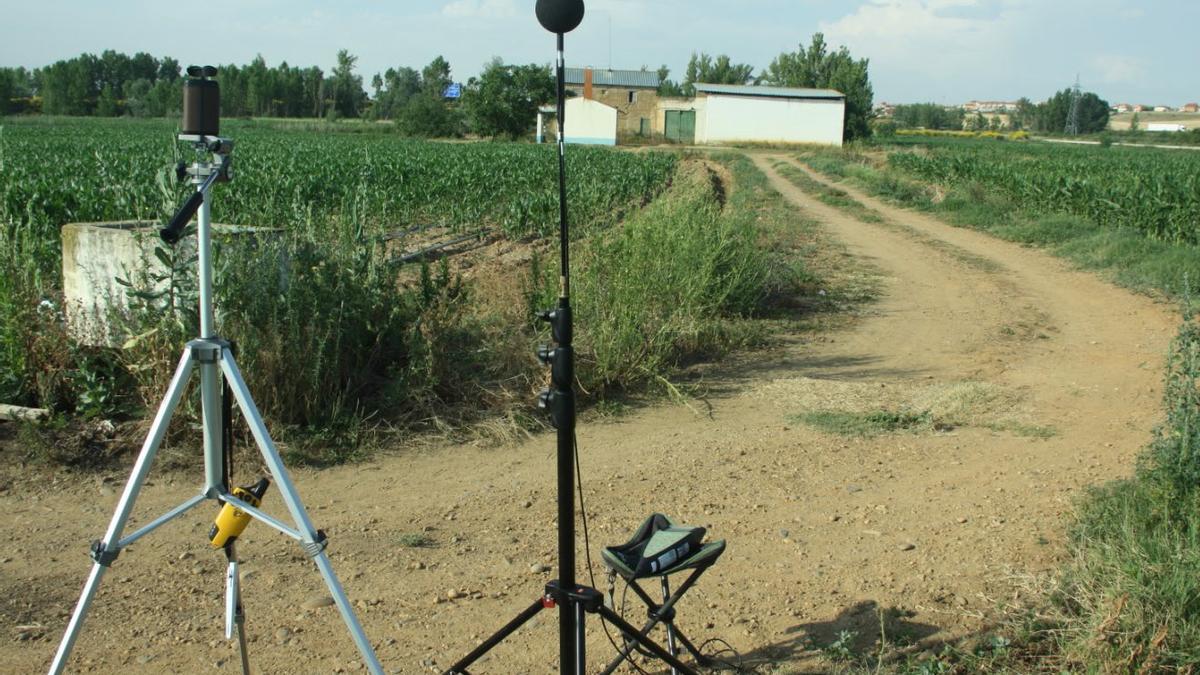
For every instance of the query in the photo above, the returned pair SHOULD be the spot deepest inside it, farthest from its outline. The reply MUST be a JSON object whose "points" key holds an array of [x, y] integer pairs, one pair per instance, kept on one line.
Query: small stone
{"points": [[186, 555], [539, 568], [853, 489], [909, 546], [785, 534], [416, 565], [527, 504], [962, 521], [145, 658], [283, 635], [453, 594], [317, 602]]}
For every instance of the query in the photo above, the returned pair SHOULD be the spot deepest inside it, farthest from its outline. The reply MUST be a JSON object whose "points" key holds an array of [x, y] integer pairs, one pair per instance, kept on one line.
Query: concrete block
{"points": [[96, 254]]}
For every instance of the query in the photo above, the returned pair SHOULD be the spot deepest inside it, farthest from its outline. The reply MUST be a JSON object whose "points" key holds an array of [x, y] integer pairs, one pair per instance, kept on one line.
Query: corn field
{"points": [[376, 335], [1154, 191], [90, 170]]}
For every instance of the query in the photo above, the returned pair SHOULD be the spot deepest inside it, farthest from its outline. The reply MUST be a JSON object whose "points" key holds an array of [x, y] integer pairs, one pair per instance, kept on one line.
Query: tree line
{"points": [[1049, 116], [502, 101]]}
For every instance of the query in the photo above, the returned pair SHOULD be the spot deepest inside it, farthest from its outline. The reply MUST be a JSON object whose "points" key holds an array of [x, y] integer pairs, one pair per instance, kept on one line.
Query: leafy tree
{"points": [[435, 77], [704, 69], [8, 87], [1053, 114], [426, 116], [1025, 116], [1135, 122], [168, 69], [504, 100], [107, 105], [928, 116], [977, 123], [398, 85], [667, 86], [69, 87], [817, 67], [137, 98], [346, 88]]}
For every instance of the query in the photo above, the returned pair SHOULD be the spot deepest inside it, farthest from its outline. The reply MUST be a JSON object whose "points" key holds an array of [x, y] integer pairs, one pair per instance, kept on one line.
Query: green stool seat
{"points": [[661, 547]]}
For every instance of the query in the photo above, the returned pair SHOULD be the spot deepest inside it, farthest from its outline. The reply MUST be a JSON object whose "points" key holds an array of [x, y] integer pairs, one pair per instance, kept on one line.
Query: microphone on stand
{"points": [[560, 16]]}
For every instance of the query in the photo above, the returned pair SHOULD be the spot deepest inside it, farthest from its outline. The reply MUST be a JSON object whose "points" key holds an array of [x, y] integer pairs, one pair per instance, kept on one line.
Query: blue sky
{"points": [[948, 51]]}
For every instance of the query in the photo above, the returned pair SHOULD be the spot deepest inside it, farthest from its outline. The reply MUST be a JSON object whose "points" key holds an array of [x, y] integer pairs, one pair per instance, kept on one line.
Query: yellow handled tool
{"points": [[232, 521]]}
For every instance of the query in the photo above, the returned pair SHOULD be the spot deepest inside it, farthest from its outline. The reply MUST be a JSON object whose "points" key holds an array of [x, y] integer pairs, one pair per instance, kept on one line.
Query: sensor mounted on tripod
{"points": [[201, 102]]}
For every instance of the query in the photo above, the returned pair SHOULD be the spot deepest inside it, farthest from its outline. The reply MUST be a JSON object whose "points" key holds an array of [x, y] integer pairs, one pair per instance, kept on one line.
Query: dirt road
{"points": [[1046, 380]]}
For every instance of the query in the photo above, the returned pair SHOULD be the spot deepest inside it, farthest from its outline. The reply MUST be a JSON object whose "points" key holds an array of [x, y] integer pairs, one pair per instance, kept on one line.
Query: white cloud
{"points": [[480, 9], [1119, 69], [943, 44], [922, 32]]}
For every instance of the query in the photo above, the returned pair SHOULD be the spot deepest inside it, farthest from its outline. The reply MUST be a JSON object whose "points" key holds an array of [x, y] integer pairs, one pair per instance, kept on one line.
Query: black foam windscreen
{"points": [[560, 16]]}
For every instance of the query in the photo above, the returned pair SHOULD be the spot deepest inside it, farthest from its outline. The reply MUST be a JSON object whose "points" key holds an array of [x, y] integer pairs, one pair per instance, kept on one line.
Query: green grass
{"points": [[866, 424], [832, 196], [415, 540]]}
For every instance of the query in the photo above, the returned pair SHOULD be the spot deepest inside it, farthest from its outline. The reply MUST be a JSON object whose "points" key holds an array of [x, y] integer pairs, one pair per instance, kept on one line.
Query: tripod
{"points": [[213, 358], [573, 601]]}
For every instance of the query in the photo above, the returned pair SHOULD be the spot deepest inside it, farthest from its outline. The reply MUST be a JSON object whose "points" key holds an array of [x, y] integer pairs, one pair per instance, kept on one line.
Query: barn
{"points": [[725, 113], [589, 122]]}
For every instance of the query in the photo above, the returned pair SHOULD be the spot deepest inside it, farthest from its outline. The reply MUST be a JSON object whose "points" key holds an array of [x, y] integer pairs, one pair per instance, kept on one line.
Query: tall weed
{"points": [[665, 286]]}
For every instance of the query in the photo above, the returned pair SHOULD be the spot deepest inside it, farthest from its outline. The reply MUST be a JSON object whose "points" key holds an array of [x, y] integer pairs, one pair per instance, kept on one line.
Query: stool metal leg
{"points": [[666, 593]]}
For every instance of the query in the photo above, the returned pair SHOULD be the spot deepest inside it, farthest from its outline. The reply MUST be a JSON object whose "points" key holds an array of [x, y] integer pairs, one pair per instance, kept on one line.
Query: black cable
{"points": [[587, 547], [227, 435], [728, 649]]}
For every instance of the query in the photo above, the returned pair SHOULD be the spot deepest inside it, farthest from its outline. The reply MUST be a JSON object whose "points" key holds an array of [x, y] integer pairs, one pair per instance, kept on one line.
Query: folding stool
{"points": [[660, 548]]}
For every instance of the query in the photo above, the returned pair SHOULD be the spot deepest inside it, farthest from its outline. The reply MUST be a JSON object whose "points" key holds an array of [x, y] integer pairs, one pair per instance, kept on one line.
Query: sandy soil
{"points": [[823, 530]]}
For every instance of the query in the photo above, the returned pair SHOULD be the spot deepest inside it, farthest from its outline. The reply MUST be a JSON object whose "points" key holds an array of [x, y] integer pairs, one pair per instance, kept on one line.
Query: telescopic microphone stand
{"points": [[213, 358], [573, 601]]}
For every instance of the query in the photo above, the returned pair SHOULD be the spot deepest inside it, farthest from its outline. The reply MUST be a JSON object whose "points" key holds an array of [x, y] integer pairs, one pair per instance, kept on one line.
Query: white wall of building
{"points": [[764, 119], [590, 122]]}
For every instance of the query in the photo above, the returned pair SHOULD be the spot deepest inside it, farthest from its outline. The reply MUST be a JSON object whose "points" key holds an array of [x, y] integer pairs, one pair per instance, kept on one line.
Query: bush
{"points": [[328, 335], [660, 288], [1173, 462]]}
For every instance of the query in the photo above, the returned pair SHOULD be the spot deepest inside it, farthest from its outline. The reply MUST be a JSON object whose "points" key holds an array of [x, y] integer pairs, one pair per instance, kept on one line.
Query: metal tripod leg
{"points": [[235, 614], [105, 551], [312, 541]]}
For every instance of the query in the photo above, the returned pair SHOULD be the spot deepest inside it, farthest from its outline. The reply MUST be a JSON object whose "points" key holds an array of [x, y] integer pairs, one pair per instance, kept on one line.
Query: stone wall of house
{"points": [[629, 115]]}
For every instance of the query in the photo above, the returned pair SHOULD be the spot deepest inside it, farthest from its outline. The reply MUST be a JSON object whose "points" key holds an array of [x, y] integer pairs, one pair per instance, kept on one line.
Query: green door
{"points": [[687, 127], [671, 125], [680, 126]]}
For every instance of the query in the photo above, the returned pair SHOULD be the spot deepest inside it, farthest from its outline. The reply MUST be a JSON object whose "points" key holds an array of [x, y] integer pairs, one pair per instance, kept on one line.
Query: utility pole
{"points": [[1072, 128]]}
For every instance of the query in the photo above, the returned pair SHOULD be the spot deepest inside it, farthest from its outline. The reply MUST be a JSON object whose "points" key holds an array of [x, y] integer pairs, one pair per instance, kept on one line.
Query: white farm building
{"points": [[726, 113], [589, 122]]}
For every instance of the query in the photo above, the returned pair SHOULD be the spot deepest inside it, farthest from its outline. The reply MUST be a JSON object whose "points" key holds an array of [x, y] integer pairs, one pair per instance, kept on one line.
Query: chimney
{"points": [[587, 83]]}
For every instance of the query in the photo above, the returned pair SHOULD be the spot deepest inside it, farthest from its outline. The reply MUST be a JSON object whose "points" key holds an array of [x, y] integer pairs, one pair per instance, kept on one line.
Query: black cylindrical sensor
{"points": [[560, 16], [201, 107]]}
